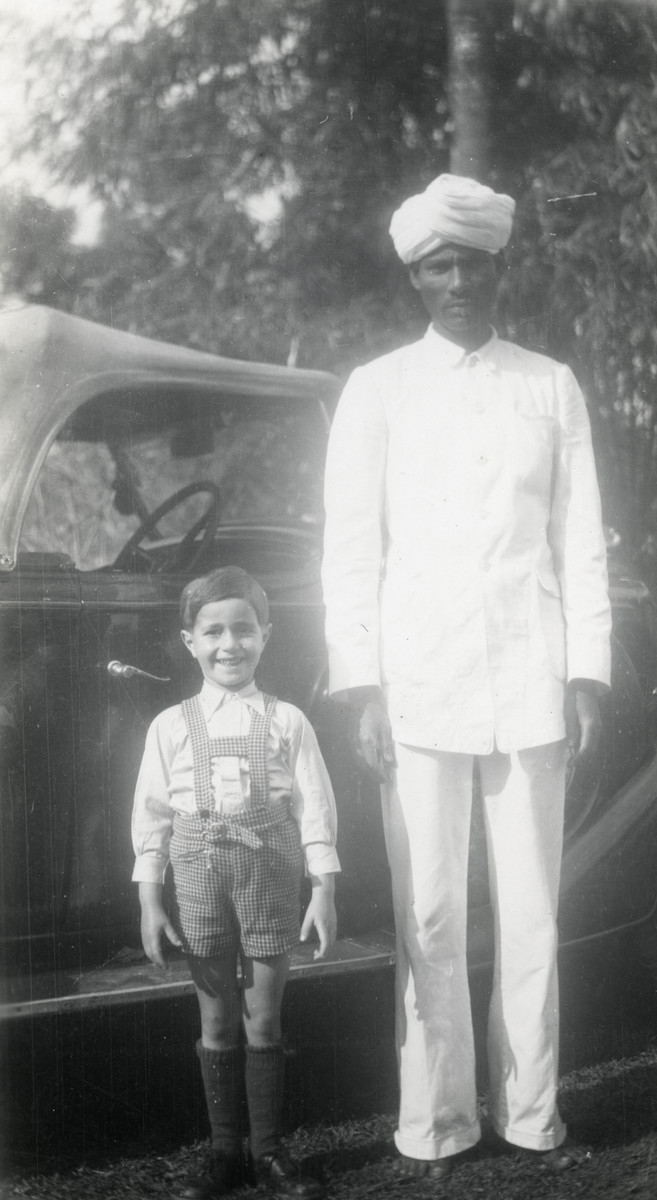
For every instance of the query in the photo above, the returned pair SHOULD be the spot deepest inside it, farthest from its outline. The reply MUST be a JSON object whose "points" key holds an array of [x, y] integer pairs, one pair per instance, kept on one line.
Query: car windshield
{"points": [[119, 458]]}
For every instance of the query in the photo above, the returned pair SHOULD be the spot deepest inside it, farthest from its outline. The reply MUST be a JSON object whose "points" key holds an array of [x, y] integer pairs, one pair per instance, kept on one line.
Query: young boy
{"points": [[233, 791]]}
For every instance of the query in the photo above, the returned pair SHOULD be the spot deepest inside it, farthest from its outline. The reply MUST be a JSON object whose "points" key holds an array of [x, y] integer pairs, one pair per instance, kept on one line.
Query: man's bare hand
{"points": [[583, 725], [375, 745]]}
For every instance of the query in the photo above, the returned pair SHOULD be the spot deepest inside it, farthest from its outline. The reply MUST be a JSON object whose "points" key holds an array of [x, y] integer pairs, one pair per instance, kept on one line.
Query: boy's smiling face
{"points": [[227, 641]]}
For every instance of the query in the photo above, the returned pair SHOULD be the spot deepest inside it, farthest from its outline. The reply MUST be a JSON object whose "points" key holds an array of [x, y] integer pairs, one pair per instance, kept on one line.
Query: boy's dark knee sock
{"points": [[223, 1081], [265, 1069]]}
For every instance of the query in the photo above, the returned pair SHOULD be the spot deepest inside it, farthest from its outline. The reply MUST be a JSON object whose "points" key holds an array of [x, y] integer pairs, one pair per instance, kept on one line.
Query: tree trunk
{"points": [[470, 86]]}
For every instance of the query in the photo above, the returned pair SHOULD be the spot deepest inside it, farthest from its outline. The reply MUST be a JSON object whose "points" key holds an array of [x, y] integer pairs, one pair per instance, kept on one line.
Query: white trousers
{"points": [[426, 815]]}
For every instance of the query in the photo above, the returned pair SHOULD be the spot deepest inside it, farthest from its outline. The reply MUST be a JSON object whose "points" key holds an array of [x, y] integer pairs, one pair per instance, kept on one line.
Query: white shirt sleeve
{"points": [[353, 539], [152, 814], [313, 802], [577, 540]]}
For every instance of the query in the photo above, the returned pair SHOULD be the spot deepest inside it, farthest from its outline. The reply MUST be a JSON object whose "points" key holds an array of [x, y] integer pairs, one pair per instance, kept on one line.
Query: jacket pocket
{"points": [[548, 581]]}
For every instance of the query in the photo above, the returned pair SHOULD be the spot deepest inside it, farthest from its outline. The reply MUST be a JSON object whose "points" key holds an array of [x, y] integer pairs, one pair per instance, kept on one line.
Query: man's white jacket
{"points": [[465, 564]]}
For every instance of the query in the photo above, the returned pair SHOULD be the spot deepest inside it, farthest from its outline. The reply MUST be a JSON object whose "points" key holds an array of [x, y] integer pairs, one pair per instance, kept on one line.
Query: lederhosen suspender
{"points": [[261, 813]]}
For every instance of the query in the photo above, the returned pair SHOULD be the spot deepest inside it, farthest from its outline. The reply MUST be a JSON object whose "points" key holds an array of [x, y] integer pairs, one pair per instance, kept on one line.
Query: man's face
{"points": [[458, 285]]}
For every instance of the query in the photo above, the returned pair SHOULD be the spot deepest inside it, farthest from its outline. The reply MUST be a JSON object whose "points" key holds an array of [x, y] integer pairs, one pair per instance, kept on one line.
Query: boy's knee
{"points": [[261, 1024], [262, 1029], [218, 1033]]}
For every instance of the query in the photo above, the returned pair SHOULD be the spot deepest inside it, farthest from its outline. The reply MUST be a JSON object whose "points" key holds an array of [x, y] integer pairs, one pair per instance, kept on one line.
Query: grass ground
{"points": [[612, 1107], [110, 1121]]}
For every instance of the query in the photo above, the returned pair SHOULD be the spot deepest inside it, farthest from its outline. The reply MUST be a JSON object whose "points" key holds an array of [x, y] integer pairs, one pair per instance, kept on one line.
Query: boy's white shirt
{"points": [[296, 770]]}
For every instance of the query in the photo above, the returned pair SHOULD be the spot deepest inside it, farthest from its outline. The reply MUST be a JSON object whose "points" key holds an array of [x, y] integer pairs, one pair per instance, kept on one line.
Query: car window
{"points": [[120, 457]]}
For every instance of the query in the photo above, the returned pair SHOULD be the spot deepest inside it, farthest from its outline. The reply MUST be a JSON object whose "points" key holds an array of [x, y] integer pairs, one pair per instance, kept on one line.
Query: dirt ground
{"points": [[110, 1121], [612, 1107]]}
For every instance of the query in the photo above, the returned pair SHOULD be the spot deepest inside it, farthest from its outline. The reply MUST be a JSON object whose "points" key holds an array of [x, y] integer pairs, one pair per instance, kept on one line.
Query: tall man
{"points": [[468, 620]]}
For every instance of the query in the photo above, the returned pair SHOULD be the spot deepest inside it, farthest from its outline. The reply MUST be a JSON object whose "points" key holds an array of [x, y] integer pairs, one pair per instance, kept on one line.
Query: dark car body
{"points": [[98, 431]]}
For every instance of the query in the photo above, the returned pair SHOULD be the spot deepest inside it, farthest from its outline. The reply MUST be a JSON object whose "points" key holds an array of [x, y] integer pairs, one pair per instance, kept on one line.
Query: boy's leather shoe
{"points": [[282, 1175], [225, 1172]]}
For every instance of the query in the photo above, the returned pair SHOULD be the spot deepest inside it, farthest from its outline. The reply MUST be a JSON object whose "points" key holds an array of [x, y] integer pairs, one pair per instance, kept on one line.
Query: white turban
{"points": [[452, 209]]}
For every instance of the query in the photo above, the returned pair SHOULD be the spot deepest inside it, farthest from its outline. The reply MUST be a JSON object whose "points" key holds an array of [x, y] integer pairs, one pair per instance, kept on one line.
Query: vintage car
{"points": [[128, 466]]}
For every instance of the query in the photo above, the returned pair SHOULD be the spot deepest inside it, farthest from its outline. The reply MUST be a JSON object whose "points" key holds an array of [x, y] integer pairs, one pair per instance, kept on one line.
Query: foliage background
{"points": [[248, 155]]}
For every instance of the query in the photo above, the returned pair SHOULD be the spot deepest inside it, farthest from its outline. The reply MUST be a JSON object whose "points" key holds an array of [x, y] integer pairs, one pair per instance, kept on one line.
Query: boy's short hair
{"points": [[226, 583]]}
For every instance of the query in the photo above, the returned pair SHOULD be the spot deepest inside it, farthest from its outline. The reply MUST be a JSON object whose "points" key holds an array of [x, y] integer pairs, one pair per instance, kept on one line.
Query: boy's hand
{"points": [[321, 914], [154, 923]]}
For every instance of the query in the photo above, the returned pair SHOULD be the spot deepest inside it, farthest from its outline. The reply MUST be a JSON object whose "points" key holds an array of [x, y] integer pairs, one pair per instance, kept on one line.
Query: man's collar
{"points": [[452, 355], [213, 696]]}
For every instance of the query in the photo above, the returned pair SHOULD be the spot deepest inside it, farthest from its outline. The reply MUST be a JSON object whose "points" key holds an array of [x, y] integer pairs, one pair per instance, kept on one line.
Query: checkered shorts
{"points": [[231, 896]]}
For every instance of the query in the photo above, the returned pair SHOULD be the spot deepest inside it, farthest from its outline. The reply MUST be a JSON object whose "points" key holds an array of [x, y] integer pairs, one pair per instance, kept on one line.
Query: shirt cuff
{"points": [[321, 859], [360, 670], [592, 687], [589, 660], [149, 868]]}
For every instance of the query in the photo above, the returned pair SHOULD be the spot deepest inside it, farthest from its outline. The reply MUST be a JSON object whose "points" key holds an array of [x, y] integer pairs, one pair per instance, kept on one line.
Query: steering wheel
{"points": [[187, 552]]}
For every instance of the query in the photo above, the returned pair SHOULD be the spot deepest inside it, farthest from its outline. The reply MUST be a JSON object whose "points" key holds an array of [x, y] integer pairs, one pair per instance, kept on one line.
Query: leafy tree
{"points": [[35, 252], [165, 116], [185, 115], [590, 221]]}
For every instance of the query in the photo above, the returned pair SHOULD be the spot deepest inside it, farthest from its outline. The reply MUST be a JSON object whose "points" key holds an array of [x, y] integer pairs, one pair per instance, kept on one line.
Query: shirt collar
{"points": [[213, 697], [448, 354]]}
